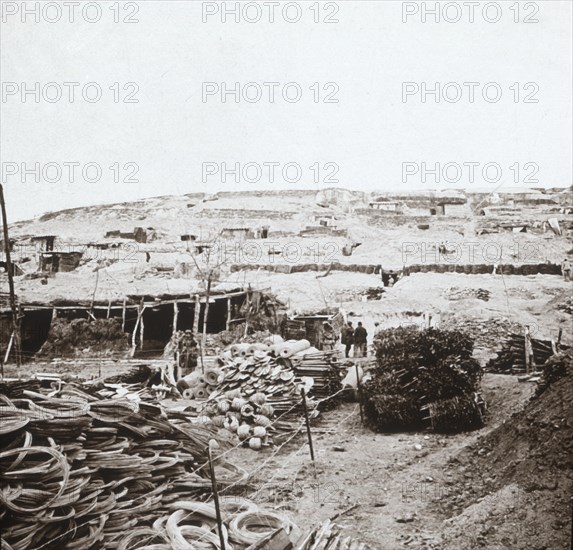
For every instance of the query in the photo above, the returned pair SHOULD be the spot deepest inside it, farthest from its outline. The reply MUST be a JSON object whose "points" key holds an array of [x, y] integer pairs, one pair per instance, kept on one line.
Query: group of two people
{"points": [[357, 337], [350, 337]]}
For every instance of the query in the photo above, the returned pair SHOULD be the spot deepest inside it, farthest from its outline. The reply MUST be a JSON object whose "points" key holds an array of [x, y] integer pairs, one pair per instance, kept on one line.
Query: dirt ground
{"points": [[385, 488], [404, 490]]}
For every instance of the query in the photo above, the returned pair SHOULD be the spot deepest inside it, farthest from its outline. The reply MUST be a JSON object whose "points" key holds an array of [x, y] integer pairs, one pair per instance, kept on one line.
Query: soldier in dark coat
{"points": [[360, 341], [348, 338]]}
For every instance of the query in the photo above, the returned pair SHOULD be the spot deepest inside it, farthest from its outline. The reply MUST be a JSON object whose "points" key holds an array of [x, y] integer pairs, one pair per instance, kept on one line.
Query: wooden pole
{"points": [[216, 499], [228, 323], [134, 334], [8, 349], [108, 309], [359, 387], [175, 316], [196, 315], [205, 319], [123, 315], [94, 294], [571, 523], [528, 353], [303, 395], [10, 272], [141, 326]]}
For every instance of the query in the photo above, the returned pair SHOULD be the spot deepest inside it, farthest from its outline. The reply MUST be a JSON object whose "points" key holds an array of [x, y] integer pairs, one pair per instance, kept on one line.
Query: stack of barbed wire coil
{"points": [[191, 525], [78, 471]]}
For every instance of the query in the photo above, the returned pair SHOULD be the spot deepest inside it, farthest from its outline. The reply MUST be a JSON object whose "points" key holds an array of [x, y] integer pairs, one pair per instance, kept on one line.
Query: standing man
{"points": [[348, 338], [360, 340], [283, 325], [328, 337], [566, 269]]}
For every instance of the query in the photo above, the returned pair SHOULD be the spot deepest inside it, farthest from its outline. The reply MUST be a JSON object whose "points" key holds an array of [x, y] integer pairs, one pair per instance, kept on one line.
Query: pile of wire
{"points": [[80, 471], [192, 525]]}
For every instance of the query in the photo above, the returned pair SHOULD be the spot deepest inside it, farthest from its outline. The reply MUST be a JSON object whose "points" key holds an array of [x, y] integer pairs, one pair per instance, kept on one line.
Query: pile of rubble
{"points": [[566, 306], [458, 293], [486, 333]]}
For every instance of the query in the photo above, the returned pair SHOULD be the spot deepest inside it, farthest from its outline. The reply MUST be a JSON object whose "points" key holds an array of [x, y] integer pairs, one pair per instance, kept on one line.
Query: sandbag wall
{"points": [[369, 269]]}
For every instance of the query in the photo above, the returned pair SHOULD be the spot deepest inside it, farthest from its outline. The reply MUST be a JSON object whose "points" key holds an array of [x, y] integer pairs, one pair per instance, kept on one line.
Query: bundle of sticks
{"points": [[330, 537]]}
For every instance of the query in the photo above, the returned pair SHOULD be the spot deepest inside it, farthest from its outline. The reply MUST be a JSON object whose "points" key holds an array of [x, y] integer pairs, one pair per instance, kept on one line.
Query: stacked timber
{"points": [[329, 536], [323, 367], [511, 358]]}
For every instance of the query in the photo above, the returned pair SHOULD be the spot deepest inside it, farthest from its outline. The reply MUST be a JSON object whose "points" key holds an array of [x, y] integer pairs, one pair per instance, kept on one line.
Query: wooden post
{"points": [[134, 334], [228, 323], [359, 388], [94, 294], [108, 309], [175, 316], [528, 351], [123, 315], [10, 272], [8, 349], [303, 395], [216, 499], [141, 326], [196, 315]]}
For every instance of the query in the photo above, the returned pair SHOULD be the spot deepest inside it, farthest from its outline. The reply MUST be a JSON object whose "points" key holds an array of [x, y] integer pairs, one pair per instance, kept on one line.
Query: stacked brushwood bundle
{"points": [[77, 471], [511, 358], [81, 336], [329, 536], [424, 378]]}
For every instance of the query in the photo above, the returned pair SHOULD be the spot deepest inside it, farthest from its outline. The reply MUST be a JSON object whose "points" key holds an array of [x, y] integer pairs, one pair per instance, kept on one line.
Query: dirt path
{"points": [[384, 486]]}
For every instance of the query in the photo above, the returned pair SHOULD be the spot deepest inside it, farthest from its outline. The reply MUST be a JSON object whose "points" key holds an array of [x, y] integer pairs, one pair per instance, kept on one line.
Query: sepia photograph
{"points": [[286, 275]]}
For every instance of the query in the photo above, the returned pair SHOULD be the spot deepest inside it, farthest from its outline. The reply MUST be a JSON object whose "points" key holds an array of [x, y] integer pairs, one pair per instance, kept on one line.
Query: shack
{"points": [[313, 325], [54, 262], [149, 321], [386, 206], [44, 242], [16, 270], [237, 233]]}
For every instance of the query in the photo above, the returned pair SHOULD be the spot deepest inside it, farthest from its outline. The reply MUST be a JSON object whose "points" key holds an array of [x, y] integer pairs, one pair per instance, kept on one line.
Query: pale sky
{"points": [[362, 140]]}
